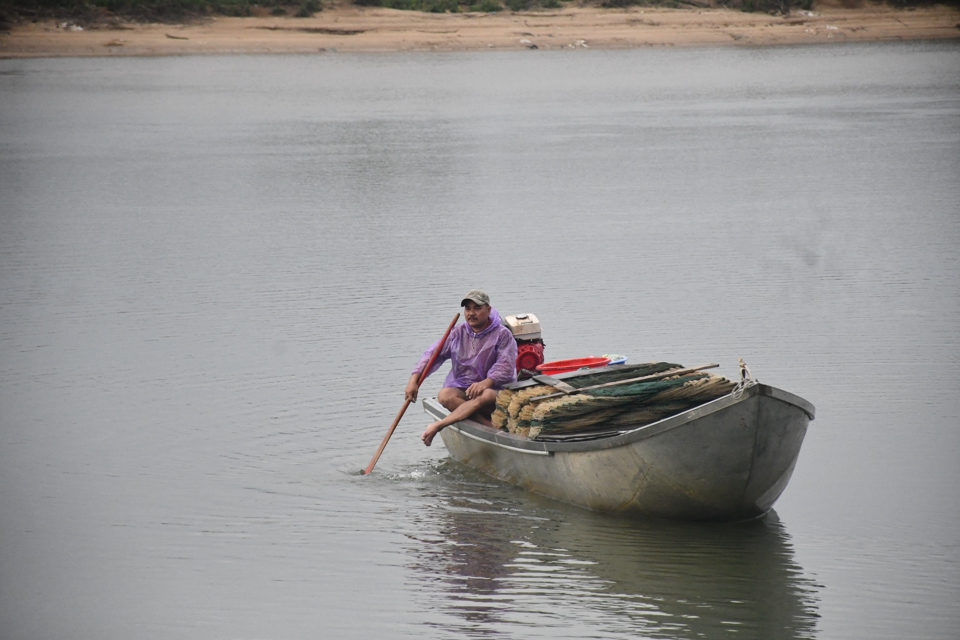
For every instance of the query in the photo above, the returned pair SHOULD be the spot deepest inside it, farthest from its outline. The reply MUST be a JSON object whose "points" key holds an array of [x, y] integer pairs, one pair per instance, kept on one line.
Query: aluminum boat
{"points": [[728, 459]]}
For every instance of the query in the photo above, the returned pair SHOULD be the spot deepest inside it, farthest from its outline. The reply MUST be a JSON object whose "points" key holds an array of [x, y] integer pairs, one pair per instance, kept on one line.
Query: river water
{"points": [[216, 274]]}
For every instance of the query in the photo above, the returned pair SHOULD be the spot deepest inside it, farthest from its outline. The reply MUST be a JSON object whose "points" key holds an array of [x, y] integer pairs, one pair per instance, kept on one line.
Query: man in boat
{"points": [[483, 357]]}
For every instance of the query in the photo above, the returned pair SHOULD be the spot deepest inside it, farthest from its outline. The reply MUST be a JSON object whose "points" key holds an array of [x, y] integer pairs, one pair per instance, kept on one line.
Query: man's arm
{"points": [[413, 385], [410, 393]]}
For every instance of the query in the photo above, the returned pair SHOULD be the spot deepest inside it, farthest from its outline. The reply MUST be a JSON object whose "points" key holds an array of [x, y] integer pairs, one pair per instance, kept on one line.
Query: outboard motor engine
{"points": [[526, 331]]}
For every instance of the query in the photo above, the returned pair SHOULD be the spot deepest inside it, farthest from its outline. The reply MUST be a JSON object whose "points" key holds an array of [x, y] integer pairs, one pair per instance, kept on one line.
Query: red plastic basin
{"points": [[565, 366]]}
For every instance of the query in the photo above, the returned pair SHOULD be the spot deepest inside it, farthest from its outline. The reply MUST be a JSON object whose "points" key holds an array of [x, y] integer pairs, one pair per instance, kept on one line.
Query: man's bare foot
{"points": [[484, 420], [430, 433]]}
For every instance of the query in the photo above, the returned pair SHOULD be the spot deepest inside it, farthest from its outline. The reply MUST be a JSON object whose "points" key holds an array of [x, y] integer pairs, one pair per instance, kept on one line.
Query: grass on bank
{"points": [[150, 10], [105, 12]]}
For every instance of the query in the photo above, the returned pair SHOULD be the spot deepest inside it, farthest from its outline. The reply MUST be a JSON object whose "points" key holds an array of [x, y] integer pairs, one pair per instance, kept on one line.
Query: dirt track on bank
{"points": [[357, 29]]}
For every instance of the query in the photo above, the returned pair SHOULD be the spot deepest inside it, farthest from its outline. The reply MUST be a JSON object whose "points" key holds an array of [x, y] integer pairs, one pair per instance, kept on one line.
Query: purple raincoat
{"points": [[492, 353]]}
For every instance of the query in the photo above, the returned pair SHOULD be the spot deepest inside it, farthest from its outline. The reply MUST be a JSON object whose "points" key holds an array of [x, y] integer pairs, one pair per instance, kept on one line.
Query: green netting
{"points": [[629, 404], [614, 374]]}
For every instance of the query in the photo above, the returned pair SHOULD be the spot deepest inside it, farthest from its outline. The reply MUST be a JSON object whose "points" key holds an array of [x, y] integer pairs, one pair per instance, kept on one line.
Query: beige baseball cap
{"points": [[476, 296]]}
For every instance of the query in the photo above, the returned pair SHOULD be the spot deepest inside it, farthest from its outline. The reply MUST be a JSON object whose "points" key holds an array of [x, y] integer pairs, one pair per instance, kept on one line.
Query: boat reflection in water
{"points": [[499, 561]]}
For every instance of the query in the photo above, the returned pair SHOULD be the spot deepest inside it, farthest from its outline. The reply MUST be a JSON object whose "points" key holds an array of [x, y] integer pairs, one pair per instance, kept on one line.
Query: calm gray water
{"points": [[217, 272]]}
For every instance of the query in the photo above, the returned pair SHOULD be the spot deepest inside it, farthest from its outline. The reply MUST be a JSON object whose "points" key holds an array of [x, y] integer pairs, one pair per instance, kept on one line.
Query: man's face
{"points": [[476, 315]]}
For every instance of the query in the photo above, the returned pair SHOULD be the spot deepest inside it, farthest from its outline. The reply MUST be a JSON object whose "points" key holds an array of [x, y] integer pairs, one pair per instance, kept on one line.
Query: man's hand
{"points": [[410, 393], [477, 388]]}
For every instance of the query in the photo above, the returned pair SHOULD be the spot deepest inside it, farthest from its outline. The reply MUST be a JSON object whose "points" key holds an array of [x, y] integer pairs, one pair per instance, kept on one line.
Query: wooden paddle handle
{"points": [[423, 376]]}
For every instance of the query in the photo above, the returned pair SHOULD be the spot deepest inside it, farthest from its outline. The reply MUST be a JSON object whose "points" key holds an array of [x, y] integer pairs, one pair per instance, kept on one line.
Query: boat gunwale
{"points": [[502, 439]]}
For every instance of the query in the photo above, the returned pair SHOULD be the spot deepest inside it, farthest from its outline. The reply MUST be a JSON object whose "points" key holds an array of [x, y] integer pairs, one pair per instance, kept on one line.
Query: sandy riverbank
{"points": [[350, 28]]}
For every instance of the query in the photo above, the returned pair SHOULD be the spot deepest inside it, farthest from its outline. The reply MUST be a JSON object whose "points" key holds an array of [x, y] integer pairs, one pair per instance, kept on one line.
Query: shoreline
{"points": [[358, 29]]}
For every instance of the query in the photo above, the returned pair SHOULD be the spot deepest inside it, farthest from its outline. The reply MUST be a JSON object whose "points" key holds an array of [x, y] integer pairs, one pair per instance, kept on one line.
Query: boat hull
{"points": [[729, 459]]}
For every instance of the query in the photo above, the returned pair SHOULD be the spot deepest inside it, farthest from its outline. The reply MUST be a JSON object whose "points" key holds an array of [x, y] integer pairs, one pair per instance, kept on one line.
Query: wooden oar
{"points": [[423, 376], [655, 376]]}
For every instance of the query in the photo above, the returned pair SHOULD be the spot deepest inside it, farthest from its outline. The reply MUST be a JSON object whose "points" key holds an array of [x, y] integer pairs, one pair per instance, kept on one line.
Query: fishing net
{"points": [[503, 399], [525, 412]]}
